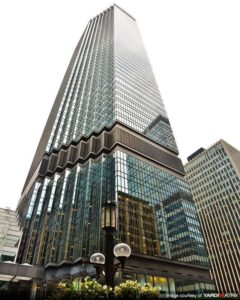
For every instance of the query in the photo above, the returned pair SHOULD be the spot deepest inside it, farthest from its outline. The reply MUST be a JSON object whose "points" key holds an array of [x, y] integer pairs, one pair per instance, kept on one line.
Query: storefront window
{"points": [[172, 288], [128, 276], [188, 288], [149, 279], [141, 279], [163, 283]]}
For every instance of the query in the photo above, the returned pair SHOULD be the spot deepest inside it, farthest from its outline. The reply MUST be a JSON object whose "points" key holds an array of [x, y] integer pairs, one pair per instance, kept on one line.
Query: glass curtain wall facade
{"points": [[214, 178], [111, 80], [108, 137], [156, 213]]}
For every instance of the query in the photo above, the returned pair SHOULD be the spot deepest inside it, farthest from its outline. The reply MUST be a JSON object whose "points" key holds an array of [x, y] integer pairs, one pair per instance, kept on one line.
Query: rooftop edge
{"points": [[124, 11]]}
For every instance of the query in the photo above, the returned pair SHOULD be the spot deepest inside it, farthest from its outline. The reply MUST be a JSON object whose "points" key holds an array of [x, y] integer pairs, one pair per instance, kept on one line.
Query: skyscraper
{"points": [[108, 138], [214, 178]]}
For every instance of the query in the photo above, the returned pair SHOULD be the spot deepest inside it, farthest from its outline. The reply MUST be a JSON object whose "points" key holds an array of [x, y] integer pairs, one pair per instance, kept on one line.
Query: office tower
{"points": [[10, 235], [108, 138], [214, 178]]}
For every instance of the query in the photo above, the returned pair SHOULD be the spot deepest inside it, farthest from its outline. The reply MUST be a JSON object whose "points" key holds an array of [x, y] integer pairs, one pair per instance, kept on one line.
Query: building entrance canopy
{"points": [[10, 271]]}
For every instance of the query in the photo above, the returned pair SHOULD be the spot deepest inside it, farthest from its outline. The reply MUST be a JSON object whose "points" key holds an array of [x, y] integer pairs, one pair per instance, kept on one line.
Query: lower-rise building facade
{"points": [[214, 178], [10, 235]]}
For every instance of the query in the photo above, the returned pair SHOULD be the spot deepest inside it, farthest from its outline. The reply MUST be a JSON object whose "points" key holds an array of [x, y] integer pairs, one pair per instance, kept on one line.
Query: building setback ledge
{"points": [[105, 142]]}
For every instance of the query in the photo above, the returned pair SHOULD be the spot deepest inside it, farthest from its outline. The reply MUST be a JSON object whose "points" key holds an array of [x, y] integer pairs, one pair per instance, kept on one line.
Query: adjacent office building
{"points": [[10, 235], [214, 178], [108, 138]]}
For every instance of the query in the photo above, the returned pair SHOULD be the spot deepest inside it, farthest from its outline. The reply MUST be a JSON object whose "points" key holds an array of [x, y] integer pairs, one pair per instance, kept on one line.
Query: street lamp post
{"points": [[109, 225], [121, 250]]}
